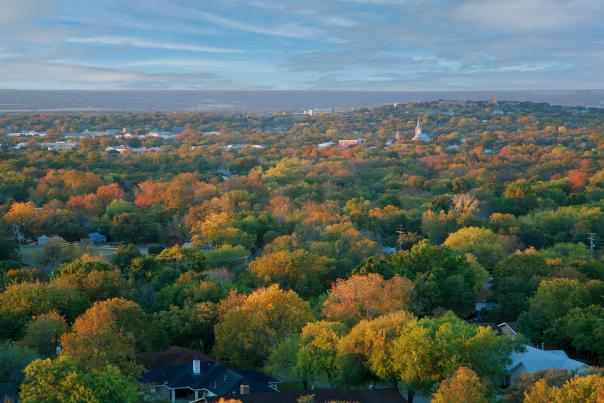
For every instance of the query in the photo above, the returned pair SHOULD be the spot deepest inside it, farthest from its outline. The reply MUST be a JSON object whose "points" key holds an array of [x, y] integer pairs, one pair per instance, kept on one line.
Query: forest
{"points": [[263, 242]]}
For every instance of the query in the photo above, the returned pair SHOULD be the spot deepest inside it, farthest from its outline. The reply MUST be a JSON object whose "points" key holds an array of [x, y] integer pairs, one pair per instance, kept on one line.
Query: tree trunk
{"points": [[305, 384], [410, 395]]}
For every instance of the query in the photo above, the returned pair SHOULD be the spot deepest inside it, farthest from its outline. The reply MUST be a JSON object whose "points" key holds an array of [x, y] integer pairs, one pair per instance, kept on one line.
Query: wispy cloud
{"points": [[292, 30], [230, 65], [143, 43], [285, 44]]}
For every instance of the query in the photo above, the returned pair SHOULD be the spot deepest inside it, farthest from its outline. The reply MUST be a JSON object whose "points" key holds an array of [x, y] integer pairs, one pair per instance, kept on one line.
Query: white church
{"points": [[419, 135]]}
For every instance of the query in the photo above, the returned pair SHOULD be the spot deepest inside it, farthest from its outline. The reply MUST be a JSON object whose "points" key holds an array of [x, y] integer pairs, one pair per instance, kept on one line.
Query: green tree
{"points": [[488, 247], [190, 326], [553, 300], [63, 380], [13, 360], [515, 280], [133, 228], [124, 255], [43, 333], [432, 349], [317, 356], [443, 277]]}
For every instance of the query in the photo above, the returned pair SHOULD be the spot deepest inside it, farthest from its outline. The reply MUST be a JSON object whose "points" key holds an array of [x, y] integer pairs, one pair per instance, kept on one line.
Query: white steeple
{"points": [[419, 136], [418, 129]]}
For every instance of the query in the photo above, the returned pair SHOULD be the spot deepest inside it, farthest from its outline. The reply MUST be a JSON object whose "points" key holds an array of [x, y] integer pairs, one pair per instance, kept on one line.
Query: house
{"points": [[97, 238], [43, 240], [326, 144], [201, 378], [387, 250], [60, 146], [389, 395], [351, 142], [507, 329], [533, 359]]}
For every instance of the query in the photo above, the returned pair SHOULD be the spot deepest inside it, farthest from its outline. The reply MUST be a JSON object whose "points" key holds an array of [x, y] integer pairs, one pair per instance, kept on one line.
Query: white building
{"points": [[419, 135], [60, 146], [326, 144], [351, 142]]}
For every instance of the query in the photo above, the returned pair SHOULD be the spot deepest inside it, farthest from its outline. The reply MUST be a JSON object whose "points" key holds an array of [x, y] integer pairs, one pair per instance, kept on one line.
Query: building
{"points": [[325, 145], [420, 136], [351, 142], [202, 378], [43, 240], [97, 238], [533, 359], [60, 146], [27, 134]]}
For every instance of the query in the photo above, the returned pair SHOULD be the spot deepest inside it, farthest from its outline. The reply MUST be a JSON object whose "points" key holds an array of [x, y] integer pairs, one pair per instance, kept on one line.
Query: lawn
{"points": [[31, 254]]}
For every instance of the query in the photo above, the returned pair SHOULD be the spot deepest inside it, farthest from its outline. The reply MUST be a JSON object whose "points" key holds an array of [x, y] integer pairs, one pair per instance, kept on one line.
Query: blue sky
{"points": [[307, 44]]}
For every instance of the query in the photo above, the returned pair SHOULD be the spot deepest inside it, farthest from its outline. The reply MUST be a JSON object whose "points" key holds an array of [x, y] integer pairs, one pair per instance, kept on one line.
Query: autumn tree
{"points": [[299, 270], [372, 341], [367, 297], [111, 332], [588, 388], [463, 387], [248, 331]]}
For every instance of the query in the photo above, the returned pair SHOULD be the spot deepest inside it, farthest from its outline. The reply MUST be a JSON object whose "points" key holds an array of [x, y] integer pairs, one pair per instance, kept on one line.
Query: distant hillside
{"points": [[252, 101]]}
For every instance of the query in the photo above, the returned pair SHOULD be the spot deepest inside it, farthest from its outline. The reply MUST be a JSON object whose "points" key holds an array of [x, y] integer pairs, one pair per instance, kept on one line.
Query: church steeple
{"points": [[419, 135], [418, 129]]}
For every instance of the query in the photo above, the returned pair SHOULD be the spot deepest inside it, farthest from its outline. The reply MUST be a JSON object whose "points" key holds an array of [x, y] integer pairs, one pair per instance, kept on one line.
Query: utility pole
{"points": [[592, 243], [400, 231]]}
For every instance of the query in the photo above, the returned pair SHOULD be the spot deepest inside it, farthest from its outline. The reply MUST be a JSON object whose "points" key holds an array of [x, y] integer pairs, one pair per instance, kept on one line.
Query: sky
{"points": [[308, 44]]}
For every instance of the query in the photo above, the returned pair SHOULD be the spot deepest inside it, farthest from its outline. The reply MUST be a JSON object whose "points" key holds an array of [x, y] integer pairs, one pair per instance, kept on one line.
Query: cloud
{"points": [[292, 30], [223, 65], [61, 75], [19, 12], [143, 43], [529, 15]]}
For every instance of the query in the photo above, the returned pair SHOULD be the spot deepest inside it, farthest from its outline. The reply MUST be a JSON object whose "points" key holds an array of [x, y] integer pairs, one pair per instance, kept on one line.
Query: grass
{"points": [[31, 254]]}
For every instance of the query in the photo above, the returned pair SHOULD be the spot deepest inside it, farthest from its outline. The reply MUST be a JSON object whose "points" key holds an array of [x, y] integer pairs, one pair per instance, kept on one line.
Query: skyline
{"points": [[400, 45]]}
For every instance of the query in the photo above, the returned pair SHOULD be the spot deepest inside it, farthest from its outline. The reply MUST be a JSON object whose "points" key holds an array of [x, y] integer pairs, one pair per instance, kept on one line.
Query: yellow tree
{"points": [[373, 339], [299, 270], [110, 332], [579, 389], [463, 387], [248, 332], [21, 214]]}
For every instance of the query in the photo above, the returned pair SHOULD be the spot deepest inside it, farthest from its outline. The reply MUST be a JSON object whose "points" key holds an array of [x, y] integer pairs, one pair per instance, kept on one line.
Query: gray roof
{"points": [[534, 359], [215, 377]]}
